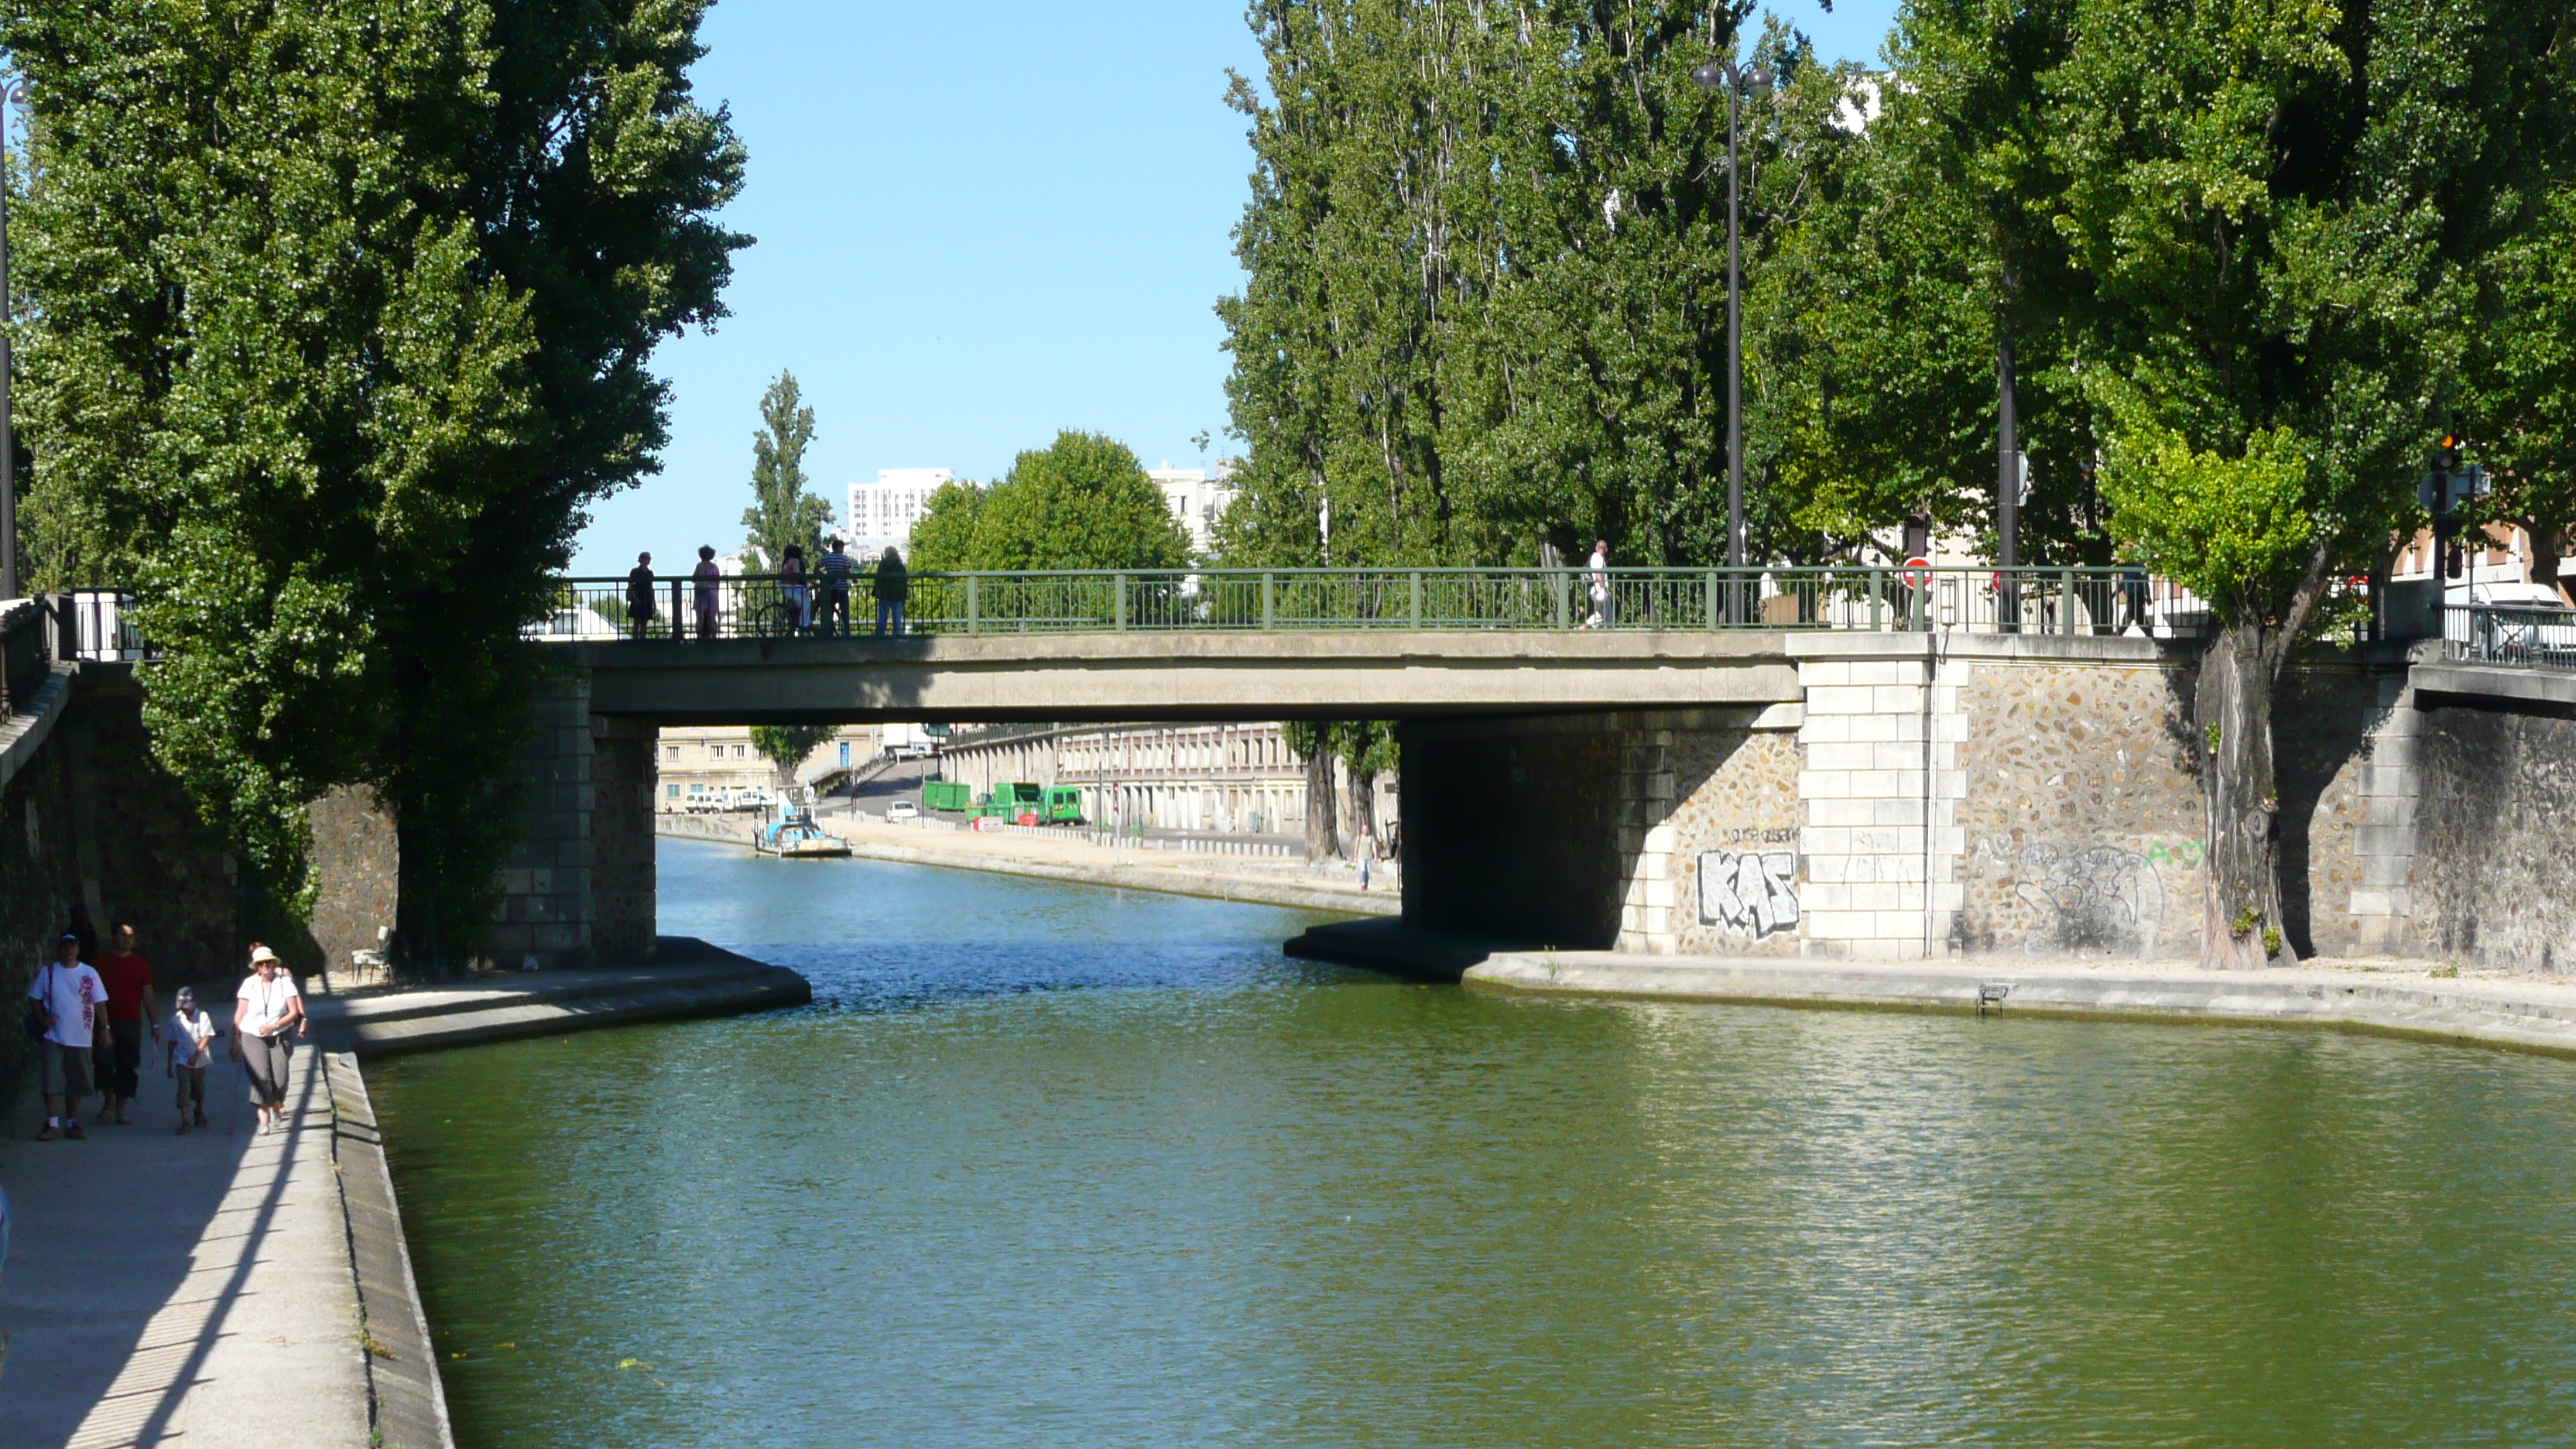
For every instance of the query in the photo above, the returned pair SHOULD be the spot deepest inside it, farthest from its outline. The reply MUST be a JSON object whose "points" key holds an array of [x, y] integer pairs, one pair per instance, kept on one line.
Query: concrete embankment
{"points": [[227, 1288], [2392, 998], [1075, 861], [688, 977]]}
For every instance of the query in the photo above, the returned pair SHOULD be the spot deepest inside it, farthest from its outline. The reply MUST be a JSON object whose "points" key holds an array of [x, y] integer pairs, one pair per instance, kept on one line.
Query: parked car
{"points": [[903, 810]]}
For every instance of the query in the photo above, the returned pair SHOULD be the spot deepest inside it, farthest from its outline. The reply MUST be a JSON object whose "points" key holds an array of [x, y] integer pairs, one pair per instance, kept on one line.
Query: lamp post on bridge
{"points": [[1737, 81]]}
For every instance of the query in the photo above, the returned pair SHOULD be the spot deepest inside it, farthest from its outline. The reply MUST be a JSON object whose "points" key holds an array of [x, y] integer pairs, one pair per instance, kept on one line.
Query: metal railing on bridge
{"points": [[2064, 601], [2507, 634]]}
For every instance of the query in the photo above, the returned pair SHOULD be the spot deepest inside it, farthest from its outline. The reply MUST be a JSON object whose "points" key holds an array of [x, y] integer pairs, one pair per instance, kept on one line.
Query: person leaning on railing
{"points": [[639, 596], [891, 587], [836, 566], [706, 575]]}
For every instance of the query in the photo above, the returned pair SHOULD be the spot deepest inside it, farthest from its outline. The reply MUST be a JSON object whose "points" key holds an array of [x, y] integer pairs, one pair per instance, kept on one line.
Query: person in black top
{"points": [[891, 588], [639, 596]]}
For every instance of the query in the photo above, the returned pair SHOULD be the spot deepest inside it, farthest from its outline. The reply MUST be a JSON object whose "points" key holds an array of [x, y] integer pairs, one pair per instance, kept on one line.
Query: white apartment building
{"points": [[882, 513], [1197, 497]]}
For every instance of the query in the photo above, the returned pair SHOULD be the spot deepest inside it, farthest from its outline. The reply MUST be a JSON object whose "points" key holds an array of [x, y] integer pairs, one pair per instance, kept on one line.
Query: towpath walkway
{"points": [[190, 1292]]}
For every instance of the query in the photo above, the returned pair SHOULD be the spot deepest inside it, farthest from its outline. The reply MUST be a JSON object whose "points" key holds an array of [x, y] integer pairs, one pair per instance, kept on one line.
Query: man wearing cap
{"points": [[268, 1015], [69, 997]]}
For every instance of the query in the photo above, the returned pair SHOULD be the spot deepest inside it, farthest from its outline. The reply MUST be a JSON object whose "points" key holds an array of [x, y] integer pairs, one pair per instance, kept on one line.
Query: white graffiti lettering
{"points": [[1749, 893]]}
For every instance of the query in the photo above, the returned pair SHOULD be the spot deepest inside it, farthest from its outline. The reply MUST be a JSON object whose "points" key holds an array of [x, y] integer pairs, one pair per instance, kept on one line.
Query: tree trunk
{"points": [[2241, 923], [1363, 806], [1322, 841]]}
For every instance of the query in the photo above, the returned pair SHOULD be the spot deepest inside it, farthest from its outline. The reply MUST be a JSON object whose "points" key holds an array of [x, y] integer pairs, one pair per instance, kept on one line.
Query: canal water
{"points": [[1047, 1165]]}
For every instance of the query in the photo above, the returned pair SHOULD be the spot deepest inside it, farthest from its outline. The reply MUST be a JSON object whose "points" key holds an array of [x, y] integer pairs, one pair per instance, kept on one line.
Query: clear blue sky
{"points": [[977, 224]]}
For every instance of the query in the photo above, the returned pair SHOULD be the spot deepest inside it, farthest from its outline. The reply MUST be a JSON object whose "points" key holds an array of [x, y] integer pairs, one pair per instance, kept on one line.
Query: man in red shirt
{"points": [[129, 1006]]}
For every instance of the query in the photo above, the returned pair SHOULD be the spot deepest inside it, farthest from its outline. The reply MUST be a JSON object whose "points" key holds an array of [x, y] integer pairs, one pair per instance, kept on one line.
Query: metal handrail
{"points": [[2526, 635], [1882, 599]]}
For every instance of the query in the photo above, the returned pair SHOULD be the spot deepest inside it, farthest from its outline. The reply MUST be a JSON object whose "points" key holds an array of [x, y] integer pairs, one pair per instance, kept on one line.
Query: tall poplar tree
{"points": [[782, 513], [338, 322]]}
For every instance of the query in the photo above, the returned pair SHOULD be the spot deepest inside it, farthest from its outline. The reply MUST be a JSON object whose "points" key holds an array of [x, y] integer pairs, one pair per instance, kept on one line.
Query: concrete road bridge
{"points": [[1295, 643], [1856, 763]]}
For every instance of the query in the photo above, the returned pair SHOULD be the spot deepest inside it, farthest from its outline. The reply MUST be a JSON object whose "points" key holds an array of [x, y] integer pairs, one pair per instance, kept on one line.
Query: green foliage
{"points": [[786, 746], [2238, 531], [1484, 307], [944, 536], [2518, 396], [782, 513], [1083, 502], [337, 321]]}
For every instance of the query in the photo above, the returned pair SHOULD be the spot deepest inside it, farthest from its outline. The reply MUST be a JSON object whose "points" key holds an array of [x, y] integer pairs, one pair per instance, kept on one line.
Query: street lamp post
{"points": [[1736, 80]]}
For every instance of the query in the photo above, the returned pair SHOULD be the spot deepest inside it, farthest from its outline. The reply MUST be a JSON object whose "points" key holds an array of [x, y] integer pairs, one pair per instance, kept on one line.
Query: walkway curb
{"points": [[2521, 1014], [407, 1404]]}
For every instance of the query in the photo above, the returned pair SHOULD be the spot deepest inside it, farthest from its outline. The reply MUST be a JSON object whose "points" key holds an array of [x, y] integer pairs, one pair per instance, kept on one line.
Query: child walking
{"points": [[186, 1034]]}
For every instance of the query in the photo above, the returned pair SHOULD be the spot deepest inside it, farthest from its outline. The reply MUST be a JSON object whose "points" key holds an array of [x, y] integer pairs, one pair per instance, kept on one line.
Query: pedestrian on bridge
{"points": [[800, 596], [836, 567], [268, 1014], [639, 596], [891, 587], [706, 574], [1596, 577]]}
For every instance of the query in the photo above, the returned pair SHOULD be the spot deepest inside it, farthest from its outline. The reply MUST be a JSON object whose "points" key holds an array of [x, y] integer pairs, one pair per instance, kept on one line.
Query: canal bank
{"points": [[2397, 998], [1074, 861], [230, 1288]]}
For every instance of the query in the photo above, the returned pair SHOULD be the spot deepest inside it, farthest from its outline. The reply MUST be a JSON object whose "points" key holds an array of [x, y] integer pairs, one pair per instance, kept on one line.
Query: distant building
{"points": [[882, 513], [1197, 497], [694, 762]]}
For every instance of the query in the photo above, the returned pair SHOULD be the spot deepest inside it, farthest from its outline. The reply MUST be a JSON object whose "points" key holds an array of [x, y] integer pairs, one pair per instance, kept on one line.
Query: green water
{"points": [[1049, 1166]]}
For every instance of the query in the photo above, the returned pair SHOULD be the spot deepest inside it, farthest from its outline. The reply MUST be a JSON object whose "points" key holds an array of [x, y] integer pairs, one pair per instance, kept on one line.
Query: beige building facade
{"points": [[698, 762]]}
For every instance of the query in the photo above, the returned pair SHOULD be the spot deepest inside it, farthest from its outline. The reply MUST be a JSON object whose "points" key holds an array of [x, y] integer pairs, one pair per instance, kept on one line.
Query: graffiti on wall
{"points": [[1747, 892], [2090, 899]]}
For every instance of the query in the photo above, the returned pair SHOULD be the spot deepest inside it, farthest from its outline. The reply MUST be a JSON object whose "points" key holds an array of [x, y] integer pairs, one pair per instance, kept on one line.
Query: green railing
{"points": [[1885, 600]]}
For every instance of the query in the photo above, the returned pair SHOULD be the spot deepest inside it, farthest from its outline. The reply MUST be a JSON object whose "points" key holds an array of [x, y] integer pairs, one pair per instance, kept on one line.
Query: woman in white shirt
{"points": [[267, 1015]]}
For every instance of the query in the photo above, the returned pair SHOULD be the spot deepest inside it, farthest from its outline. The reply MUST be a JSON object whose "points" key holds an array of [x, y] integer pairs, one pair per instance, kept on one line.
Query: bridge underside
{"points": [[1115, 677]]}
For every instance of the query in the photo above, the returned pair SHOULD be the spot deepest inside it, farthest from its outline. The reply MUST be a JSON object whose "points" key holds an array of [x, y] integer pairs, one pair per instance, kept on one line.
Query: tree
{"points": [[783, 514], [943, 537], [1484, 302], [2519, 405], [2275, 221], [1083, 502], [338, 321], [786, 746]]}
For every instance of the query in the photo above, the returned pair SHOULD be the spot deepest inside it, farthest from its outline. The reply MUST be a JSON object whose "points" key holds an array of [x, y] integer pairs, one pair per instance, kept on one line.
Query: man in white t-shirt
{"points": [[69, 997]]}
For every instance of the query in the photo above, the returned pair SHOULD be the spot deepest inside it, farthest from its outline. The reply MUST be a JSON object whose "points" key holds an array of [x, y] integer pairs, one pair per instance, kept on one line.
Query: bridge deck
{"points": [[1108, 677]]}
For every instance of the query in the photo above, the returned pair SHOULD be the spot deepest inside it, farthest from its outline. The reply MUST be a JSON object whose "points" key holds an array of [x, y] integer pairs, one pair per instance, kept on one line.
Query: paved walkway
{"points": [[181, 1291]]}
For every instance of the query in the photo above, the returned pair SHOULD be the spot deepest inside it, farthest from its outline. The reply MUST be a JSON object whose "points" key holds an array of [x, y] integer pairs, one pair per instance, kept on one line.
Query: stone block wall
{"points": [[1880, 786], [2491, 837], [546, 900], [143, 855], [1734, 832], [621, 840], [2082, 826], [357, 870]]}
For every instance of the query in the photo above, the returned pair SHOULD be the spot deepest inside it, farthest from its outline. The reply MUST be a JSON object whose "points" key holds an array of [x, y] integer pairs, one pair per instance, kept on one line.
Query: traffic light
{"points": [[2446, 457]]}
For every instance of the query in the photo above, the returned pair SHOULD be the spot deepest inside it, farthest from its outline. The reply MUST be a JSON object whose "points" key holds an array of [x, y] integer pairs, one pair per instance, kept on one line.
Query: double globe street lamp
{"points": [[1738, 81]]}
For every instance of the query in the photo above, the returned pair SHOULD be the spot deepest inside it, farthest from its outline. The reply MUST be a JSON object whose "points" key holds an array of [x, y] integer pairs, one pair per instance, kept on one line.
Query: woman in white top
{"points": [[267, 1015]]}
